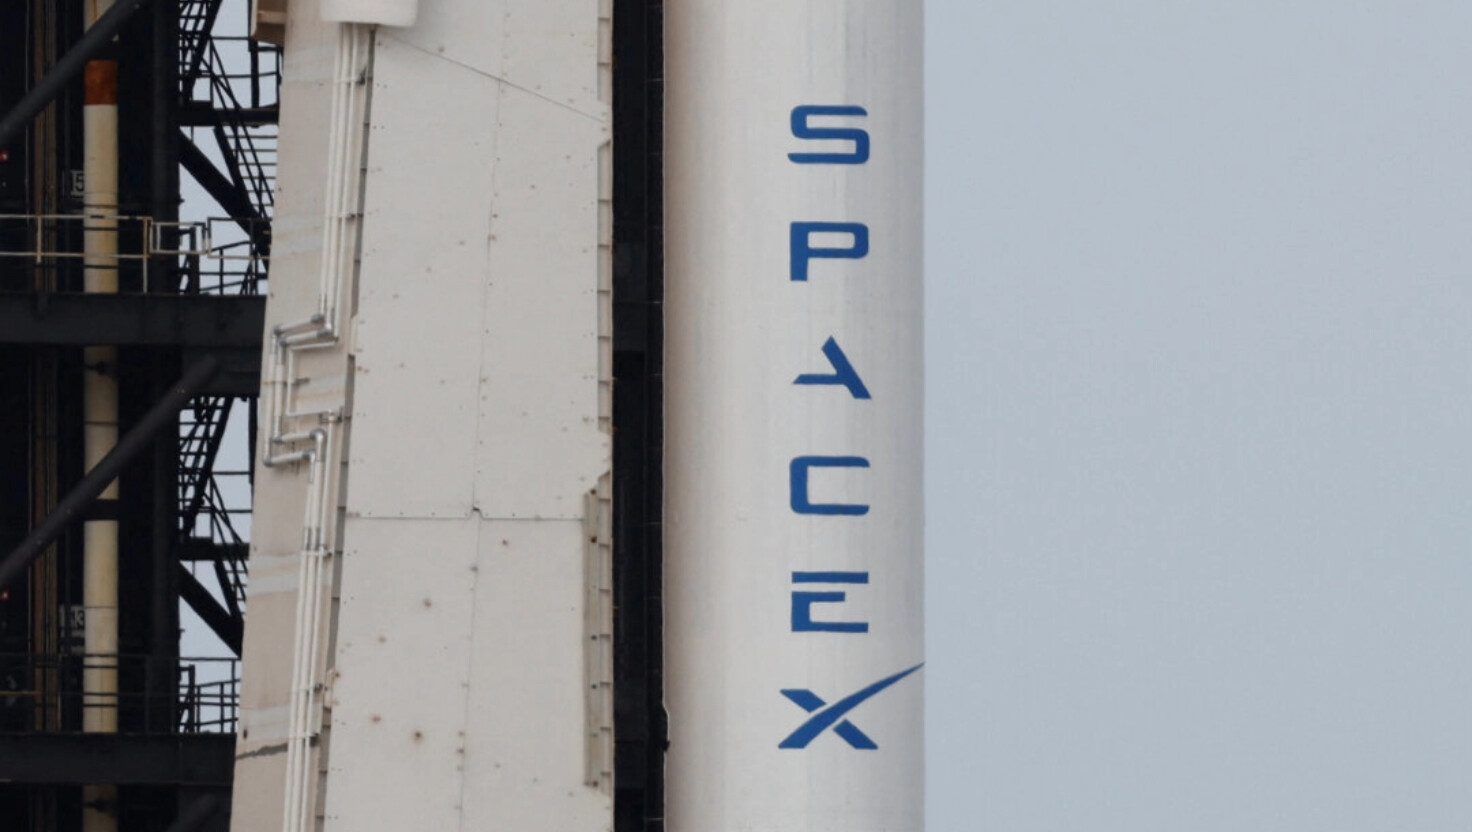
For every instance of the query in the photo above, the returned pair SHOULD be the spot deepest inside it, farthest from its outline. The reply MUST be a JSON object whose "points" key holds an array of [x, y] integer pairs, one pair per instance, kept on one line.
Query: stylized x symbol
{"points": [[825, 718]]}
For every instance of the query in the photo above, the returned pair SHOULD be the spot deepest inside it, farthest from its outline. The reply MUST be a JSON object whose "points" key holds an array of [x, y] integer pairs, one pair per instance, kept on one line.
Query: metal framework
{"points": [[638, 282], [200, 103]]}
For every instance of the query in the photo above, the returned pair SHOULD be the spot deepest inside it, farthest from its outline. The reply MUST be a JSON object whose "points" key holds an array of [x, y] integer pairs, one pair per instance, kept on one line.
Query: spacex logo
{"points": [[853, 146], [834, 716]]}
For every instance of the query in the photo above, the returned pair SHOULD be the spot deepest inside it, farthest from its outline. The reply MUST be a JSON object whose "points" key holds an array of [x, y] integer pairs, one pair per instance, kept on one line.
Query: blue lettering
{"points": [[802, 250], [802, 602], [830, 577], [825, 716], [799, 484], [843, 372], [802, 130]]}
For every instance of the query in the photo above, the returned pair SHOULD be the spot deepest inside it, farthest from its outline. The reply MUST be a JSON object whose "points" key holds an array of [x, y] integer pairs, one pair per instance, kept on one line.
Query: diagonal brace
{"points": [[98, 36], [71, 507], [230, 628]]}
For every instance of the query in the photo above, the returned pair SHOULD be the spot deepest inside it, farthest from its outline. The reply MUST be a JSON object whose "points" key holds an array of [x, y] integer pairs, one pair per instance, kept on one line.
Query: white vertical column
{"points": [[100, 414], [793, 507]]}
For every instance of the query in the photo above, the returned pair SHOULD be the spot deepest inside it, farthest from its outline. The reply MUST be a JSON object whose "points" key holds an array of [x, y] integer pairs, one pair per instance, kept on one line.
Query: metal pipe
{"points": [[98, 36], [300, 338], [70, 508], [100, 266], [348, 114], [307, 323], [100, 392], [317, 482], [282, 459]]}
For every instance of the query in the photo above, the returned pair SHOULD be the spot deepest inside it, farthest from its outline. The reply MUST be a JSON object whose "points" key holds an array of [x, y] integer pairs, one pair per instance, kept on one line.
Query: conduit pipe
{"points": [[283, 444], [323, 328], [308, 648], [100, 417]]}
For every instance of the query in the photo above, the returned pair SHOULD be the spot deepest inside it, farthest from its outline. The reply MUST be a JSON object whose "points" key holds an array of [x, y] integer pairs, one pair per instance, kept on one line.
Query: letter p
{"points": [[804, 250]]}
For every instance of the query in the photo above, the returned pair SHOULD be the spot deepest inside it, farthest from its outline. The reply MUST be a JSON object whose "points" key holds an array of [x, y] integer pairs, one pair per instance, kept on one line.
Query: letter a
{"points": [[843, 372]]}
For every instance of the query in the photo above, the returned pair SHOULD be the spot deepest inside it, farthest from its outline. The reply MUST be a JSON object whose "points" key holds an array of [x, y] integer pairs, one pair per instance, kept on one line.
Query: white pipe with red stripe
{"points": [[100, 416]]}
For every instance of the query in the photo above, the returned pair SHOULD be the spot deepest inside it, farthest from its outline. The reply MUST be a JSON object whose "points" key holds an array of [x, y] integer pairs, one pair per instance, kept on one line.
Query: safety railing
{"points": [[45, 693], [144, 244], [235, 72]]}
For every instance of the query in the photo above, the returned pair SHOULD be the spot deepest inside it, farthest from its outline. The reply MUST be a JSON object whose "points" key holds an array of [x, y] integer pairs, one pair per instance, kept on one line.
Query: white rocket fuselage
{"points": [[793, 457], [430, 644]]}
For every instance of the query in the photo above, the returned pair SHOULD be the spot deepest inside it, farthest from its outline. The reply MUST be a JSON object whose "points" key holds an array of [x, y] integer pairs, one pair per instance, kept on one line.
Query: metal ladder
{"points": [[239, 81]]}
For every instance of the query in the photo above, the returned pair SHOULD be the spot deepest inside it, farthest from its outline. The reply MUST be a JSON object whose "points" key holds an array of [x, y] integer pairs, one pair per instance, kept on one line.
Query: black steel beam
{"points": [[79, 319], [225, 190], [194, 815], [124, 759], [71, 507], [197, 549], [221, 187], [199, 115], [163, 641], [98, 36], [230, 628], [241, 373]]}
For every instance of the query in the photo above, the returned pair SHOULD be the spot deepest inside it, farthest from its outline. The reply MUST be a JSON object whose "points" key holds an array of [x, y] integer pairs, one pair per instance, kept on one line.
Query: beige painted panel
{"points": [[470, 34], [400, 683], [524, 764], [551, 50], [457, 686], [545, 48], [422, 286], [540, 447]]}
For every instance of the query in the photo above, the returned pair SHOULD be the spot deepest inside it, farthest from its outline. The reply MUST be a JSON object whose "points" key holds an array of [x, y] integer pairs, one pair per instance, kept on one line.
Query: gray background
{"points": [[1198, 410]]}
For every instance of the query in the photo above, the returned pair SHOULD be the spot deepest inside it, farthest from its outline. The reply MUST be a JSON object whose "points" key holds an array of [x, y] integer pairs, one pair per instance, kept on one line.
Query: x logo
{"points": [[833, 715]]}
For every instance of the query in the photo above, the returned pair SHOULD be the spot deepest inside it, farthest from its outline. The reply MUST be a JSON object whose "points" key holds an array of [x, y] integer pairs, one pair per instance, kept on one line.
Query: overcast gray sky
{"points": [[1199, 415]]}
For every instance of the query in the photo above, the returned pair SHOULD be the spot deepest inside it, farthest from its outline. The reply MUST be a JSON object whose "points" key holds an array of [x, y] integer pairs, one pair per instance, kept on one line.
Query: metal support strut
{"points": [[71, 507], [98, 36]]}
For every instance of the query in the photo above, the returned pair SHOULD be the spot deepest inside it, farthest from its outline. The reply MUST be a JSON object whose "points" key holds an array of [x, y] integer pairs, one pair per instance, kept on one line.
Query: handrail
{"points": [[235, 266], [43, 692]]}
